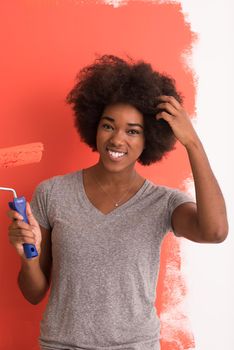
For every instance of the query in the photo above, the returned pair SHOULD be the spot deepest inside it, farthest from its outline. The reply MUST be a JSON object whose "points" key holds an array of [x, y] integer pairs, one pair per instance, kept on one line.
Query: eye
{"points": [[133, 132], [107, 126]]}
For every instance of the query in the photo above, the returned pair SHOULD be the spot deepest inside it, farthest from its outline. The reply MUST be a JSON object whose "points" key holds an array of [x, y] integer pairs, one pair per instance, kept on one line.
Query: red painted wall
{"points": [[43, 45]]}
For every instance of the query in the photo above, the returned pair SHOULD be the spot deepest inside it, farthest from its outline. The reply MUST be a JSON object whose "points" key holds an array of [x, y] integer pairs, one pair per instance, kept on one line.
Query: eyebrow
{"points": [[112, 120]]}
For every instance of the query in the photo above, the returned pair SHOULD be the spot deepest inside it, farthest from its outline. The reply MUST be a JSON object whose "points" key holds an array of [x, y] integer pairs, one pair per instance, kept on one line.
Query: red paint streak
{"points": [[21, 155], [175, 327]]}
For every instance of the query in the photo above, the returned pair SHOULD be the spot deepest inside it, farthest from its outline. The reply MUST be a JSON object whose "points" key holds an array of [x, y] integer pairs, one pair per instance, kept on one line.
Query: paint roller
{"points": [[16, 156]]}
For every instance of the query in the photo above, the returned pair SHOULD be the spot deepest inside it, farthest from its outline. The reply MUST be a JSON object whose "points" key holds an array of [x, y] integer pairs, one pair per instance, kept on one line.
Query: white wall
{"points": [[209, 268]]}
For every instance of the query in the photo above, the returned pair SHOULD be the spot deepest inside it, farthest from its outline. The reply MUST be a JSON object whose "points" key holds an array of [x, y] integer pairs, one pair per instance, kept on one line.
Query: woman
{"points": [[98, 231]]}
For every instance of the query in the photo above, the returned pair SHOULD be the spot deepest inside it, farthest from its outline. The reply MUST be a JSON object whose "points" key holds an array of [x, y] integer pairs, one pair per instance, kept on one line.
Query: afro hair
{"points": [[110, 80]]}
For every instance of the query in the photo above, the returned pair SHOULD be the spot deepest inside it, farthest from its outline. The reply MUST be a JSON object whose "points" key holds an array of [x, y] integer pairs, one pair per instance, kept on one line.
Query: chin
{"points": [[116, 167]]}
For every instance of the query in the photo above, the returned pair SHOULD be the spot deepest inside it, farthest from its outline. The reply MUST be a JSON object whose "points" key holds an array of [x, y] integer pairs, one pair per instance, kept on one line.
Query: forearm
{"points": [[211, 209], [32, 281]]}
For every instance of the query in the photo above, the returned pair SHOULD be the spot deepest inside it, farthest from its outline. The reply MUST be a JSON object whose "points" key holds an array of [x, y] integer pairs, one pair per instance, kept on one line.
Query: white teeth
{"points": [[116, 154]]}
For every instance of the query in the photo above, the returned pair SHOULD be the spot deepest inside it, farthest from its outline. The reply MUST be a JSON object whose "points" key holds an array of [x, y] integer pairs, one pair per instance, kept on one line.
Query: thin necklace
{"points": [[116, 204]]}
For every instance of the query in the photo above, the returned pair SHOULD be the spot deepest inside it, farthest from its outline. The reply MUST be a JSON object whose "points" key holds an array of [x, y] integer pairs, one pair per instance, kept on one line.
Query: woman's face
{"points": [[120, 137]]}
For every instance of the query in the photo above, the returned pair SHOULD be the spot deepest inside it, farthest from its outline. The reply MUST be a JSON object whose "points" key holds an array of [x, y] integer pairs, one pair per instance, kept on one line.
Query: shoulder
{"points": [[159, 191], [165, 196], [59, 180], [57, 186]]}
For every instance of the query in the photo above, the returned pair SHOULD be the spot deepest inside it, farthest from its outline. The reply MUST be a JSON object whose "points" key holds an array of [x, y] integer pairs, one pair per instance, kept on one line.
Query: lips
{"points": [[115, 155]]}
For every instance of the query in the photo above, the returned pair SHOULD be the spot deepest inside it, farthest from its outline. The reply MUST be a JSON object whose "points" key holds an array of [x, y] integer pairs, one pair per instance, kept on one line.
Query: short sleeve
{"points": [[175, 199], [40, 203]]}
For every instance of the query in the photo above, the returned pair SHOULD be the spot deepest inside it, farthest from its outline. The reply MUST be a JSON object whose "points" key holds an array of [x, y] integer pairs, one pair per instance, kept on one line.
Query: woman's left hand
{"points": [[177, 118]]}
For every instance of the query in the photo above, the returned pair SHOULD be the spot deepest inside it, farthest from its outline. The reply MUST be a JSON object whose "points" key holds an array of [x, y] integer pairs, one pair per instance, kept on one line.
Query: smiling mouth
{"points": [[115, 154]]}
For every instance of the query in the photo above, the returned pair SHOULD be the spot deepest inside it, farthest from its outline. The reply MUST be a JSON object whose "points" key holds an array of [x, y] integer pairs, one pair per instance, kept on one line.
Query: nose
{"points": [[117, 138]]}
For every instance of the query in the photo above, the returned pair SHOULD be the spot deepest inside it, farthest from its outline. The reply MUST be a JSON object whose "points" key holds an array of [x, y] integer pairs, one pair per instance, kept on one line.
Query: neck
{"points": [[116, 179]]}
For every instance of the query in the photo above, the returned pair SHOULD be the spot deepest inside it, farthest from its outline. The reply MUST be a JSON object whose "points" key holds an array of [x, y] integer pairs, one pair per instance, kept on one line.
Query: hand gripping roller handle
{"points": [[19, 204]]}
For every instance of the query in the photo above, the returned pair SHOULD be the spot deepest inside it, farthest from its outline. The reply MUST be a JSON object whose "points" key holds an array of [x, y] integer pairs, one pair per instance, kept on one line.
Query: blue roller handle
{"points": [[19, 204]]}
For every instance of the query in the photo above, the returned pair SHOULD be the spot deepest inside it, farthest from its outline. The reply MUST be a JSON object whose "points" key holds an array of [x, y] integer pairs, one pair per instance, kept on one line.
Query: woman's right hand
{"points": [[20, 232]]}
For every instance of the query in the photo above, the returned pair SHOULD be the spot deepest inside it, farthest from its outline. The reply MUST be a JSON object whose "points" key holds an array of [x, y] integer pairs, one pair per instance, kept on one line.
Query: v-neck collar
{"points": [[115, 211]]}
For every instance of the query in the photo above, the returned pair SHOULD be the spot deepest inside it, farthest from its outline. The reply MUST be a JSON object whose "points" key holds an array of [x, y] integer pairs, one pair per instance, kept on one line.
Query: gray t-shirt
{"points": [[105, 266]]}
